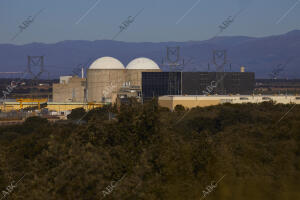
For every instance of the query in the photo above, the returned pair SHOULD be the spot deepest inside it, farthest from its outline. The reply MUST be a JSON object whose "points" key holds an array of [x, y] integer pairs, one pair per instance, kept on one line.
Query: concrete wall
{"points": [[192, 104], [73, 91], [106, 83], [102, 83], [168, 103]]}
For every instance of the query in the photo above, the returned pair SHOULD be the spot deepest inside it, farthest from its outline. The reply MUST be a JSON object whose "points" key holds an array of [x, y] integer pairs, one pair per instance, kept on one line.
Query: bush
{"points": [[179, 108], [76, 114]]}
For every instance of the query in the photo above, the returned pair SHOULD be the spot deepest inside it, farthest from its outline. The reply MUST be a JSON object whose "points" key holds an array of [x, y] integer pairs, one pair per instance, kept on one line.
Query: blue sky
{"points": [[157, 23]]}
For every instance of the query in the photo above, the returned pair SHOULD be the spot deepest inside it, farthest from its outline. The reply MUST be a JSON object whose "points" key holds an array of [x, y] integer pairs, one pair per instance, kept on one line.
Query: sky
{"points": [[158, 21]]}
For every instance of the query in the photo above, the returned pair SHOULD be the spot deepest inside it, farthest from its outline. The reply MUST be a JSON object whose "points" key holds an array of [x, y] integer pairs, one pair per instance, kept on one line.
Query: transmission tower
{"points": [[35, 67], [38, 62], [173, 59], [220, 60]]}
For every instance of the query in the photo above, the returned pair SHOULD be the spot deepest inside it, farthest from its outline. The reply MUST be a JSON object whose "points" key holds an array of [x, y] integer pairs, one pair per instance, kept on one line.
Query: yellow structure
{"points": [[187, 101], [51, 106], [38, 101]]}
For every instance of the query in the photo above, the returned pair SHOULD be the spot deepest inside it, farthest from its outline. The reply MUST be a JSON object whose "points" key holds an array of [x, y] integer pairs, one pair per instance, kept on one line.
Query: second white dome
{"points": [[142, 63]]}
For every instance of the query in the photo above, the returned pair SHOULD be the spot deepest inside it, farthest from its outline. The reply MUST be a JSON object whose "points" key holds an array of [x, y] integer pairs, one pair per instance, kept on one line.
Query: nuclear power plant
{"points": [[107, 81]]}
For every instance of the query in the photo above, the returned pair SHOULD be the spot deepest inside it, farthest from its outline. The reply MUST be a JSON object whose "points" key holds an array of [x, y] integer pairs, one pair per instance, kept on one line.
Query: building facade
{"points": [[71, 89], [202, 101], [197, 83]]}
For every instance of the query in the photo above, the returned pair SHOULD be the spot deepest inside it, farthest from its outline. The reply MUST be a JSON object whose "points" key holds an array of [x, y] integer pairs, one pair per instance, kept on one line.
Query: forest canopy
{"points": [[148, 152]]}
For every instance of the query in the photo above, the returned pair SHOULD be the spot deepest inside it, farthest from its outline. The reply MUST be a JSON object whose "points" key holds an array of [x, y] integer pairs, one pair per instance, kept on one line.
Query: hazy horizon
{"points": [[191, 20]]}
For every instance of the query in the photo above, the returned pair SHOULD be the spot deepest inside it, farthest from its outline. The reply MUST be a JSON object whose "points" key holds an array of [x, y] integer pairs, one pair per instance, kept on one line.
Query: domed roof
{"points": [[142, 63], [107, 63]]}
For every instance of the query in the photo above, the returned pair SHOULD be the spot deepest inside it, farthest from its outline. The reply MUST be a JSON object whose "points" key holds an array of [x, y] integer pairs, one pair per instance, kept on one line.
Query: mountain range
{"points": [[260, 55]]}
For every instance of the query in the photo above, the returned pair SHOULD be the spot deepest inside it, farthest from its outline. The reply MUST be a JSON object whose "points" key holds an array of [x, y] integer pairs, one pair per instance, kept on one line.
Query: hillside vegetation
{"points": [[148, 152]]}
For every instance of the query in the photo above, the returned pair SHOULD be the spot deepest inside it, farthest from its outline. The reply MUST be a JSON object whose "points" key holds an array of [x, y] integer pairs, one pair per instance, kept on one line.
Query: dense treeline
{"points": [[148, 152]]}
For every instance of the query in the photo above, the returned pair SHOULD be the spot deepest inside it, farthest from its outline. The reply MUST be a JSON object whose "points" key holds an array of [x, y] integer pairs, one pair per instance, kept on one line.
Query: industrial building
{"points": [[69, 89], [193, 101], [277, 86], [197, 83], [108, 79]]}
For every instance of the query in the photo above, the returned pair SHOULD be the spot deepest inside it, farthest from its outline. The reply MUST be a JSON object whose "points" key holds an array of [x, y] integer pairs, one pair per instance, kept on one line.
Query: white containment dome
{"points": [[142, 63], [107, 63]]}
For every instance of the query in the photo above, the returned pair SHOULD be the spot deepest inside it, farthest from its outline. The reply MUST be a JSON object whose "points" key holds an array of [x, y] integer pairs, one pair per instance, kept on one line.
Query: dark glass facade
{"points": [[222, 83], [196, 83], [161, 83]]}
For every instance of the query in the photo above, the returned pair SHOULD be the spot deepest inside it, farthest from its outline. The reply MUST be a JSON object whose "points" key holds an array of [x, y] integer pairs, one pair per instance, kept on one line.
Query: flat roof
{"points": [[211, 97]]}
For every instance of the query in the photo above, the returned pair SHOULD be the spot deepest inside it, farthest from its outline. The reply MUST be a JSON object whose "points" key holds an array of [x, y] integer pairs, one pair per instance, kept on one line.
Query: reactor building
{"points": [[106, 78]]}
